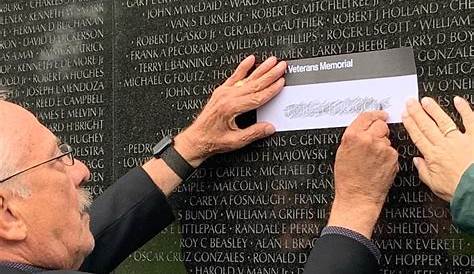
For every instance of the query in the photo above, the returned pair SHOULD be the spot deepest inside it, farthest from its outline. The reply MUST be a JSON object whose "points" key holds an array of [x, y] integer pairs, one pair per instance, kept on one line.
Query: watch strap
{"points": [[177, 163]]}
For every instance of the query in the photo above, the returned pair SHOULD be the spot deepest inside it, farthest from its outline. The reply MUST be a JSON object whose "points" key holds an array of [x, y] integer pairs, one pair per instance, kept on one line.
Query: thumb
{"points": [[256, 132]]}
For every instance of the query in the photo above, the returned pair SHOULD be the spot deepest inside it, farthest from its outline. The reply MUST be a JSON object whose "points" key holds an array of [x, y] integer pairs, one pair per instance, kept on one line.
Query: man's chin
{"points": [[85, 250], [89, 238], [91, 247]]}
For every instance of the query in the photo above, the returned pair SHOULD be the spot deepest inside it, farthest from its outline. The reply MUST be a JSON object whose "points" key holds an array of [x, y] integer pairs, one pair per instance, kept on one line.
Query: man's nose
{"points": [[81, 172]]}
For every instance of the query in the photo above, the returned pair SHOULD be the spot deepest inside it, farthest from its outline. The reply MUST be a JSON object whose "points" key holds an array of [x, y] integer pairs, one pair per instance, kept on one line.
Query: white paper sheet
{"points": [[337, 104]]}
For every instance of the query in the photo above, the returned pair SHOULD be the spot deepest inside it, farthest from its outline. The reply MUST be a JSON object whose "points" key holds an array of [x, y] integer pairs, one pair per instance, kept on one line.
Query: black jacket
{"points": [[127, 215], [338, 254], [134, 210]]}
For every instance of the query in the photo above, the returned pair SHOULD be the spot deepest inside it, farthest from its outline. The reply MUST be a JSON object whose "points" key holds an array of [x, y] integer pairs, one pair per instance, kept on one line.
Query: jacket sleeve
{"points": [[339, 254], [127, 215], [462, 205]]}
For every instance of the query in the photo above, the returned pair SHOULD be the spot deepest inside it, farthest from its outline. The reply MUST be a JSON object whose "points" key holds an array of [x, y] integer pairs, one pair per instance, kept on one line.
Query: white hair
{"points": [[7, 167]]}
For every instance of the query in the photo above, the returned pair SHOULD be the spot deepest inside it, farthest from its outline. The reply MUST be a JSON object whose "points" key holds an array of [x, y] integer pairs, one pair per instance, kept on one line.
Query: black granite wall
{"points": [[113, 77]]}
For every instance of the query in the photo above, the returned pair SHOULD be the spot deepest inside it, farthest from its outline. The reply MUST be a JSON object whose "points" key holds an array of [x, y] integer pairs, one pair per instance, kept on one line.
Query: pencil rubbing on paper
{"points": [[316, 108]]}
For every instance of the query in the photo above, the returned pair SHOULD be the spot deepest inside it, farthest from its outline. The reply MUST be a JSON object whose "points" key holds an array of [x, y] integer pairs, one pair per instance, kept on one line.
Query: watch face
{"points": [[162, 145]]}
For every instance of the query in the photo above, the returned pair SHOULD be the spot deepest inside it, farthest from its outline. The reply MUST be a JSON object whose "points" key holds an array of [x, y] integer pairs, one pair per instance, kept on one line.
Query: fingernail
{"points": [[426, 101], [269, 130], [282, 64], [416, 161], [457, 100], [411, 102]]}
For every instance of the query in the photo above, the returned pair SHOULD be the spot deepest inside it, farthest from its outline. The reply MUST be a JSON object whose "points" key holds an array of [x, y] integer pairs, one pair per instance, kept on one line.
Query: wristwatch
{"points": [[165, 150]]}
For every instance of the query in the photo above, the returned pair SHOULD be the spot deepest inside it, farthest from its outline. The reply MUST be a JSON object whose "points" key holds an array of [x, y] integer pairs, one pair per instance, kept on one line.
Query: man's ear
{"points": [[12, 226]]}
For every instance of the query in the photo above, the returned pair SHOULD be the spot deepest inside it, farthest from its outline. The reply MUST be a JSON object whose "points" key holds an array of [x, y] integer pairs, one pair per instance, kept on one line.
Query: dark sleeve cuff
{"points": [[127, 215], [355, 236], [462, 203], [336, 253]]}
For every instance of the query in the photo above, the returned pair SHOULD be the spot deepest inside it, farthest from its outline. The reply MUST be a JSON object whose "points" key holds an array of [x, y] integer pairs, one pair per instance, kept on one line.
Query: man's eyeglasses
{"points": [[66, 157]]}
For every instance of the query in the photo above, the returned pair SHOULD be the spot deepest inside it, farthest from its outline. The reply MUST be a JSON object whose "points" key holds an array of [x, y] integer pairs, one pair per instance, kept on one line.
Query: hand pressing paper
{"points": [[331, 91]]}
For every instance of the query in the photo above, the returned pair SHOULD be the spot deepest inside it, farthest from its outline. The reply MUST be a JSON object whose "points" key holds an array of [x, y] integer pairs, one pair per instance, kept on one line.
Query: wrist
{"points": [[358, 216], [190, 149]]}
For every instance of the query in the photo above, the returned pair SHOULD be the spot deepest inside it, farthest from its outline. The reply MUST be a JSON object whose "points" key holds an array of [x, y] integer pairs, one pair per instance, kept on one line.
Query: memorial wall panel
{"points": [[56, 61], [114, 77]]}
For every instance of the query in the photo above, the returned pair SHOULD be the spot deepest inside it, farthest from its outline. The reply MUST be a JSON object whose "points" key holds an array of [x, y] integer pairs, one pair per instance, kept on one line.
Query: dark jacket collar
{"points": [[6, 268], [23, 268]]}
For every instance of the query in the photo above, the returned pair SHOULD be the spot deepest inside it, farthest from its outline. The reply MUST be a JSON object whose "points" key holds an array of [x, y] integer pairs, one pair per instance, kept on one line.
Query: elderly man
{"points": [[43, 221], [44, 225]]}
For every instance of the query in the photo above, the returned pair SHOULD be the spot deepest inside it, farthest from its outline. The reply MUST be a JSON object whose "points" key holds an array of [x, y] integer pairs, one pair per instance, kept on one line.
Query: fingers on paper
{"points": [[254, 100], [267, 79], [255, 132], [442, 119], [263, 68], [366, 119], [379, 129], [423, 121]]}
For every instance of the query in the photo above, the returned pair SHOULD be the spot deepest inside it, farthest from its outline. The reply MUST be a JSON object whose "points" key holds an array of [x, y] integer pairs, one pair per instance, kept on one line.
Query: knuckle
{"points": [[274, 88], [249, 137], [380, 125], [366, 116], [258, 99], [269, 76], [393, 154], [380, 148], [255, 87], [378, 131], [244, 138], [444, 124], [416, 138], [424, 128], [233, 77], [349, 135]]}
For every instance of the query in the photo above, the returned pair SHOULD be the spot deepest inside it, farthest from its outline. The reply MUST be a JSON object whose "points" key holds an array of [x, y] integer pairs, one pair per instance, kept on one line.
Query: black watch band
{"points": [[177, 163]]}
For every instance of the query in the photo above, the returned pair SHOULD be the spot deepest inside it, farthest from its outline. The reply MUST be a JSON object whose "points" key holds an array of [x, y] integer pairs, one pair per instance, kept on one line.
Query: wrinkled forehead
{"points": [[23, 136]]}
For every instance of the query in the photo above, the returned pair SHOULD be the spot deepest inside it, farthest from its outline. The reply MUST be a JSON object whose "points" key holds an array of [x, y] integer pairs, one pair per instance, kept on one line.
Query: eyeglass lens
{"points": [[67, 150]]}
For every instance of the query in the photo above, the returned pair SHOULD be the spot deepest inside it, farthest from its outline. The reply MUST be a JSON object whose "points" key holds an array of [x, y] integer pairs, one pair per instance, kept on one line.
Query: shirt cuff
{"points": [[353, 235]]}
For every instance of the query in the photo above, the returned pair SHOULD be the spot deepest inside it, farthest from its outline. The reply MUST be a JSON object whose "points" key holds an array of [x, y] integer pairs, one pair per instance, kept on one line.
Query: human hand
{"points": [[447, 152], [214, 130], [364, 171]]}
